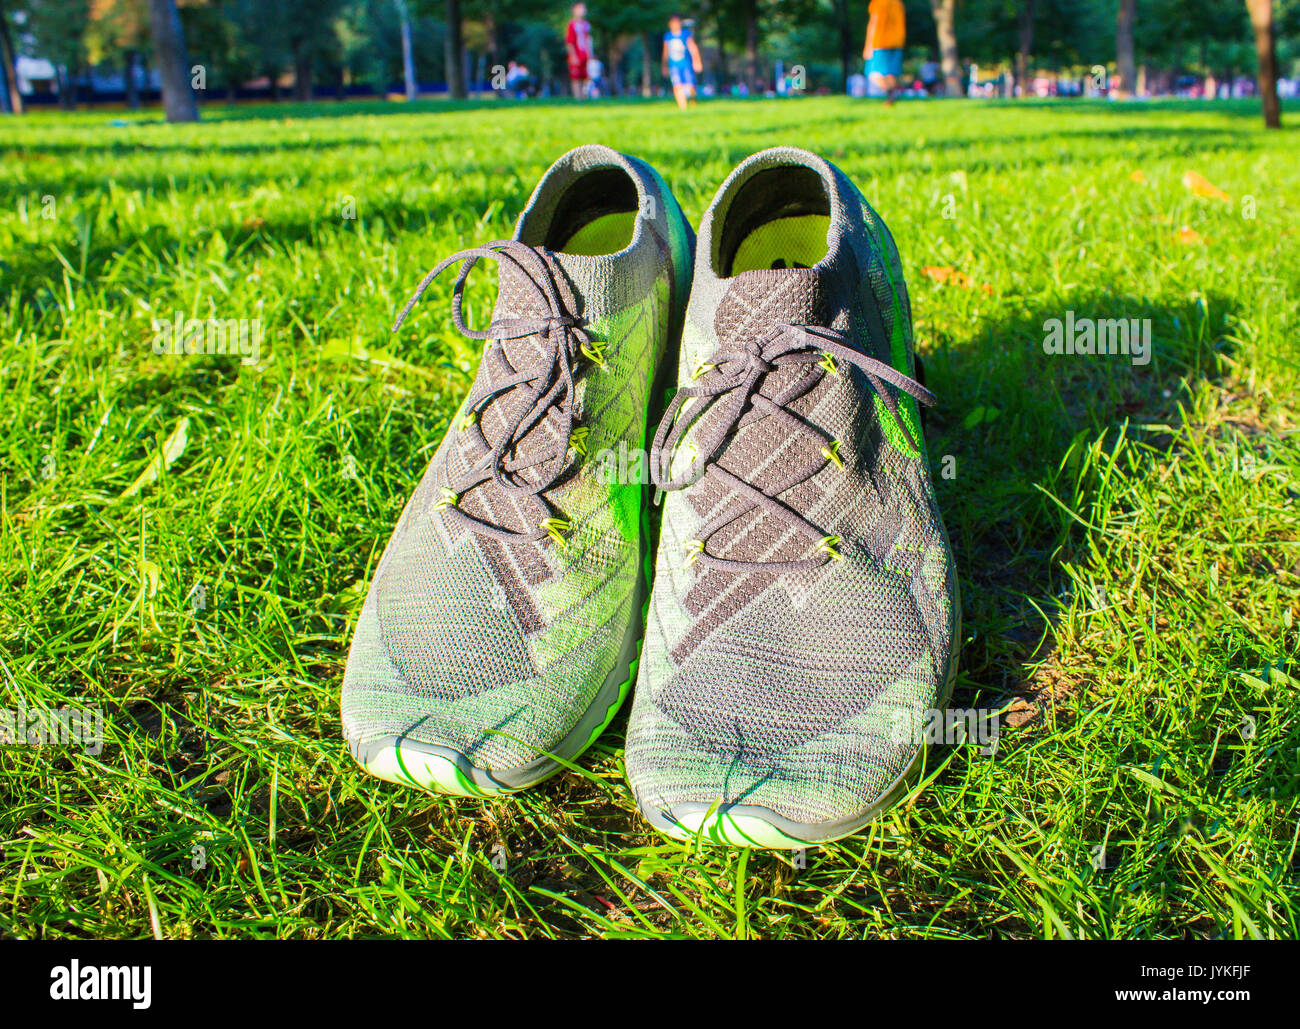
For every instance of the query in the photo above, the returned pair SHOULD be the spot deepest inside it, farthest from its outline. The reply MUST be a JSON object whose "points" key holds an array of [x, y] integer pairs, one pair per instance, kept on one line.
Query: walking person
{"points": [[577, 41], [681, 60], [883, 52]]}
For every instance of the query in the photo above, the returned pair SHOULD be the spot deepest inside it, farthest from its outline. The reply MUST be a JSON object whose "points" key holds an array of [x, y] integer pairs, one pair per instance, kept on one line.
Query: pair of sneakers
{"points": [[804, 615]]}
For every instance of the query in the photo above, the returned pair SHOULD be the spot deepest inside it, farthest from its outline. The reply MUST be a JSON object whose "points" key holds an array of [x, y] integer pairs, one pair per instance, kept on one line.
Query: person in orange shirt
{"points": [[886, 34]]}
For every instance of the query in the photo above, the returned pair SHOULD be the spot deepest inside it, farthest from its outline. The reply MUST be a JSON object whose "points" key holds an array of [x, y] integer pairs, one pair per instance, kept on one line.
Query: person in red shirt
{"points": [[577, 41]]}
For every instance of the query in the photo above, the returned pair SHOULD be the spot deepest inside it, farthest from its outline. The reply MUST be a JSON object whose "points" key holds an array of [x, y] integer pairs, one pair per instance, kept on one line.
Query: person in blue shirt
{"points": [[682, 61]]}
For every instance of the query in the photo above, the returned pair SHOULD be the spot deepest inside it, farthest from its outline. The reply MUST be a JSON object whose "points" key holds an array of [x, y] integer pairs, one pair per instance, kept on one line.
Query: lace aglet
{"points": [[658, 497]]}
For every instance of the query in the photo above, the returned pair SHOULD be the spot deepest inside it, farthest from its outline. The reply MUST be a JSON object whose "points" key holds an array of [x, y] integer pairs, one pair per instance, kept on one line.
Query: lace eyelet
{"points": [[832, 454], [555, 529], [827, 546]]}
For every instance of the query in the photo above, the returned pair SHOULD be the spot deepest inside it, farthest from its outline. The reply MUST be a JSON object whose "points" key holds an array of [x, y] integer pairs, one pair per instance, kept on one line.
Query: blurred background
{"points": [[77, 53]]}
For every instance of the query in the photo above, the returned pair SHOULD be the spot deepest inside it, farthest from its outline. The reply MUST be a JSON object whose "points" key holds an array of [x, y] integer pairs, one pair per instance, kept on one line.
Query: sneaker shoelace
{"points": [[547, 384], [735, 377]]}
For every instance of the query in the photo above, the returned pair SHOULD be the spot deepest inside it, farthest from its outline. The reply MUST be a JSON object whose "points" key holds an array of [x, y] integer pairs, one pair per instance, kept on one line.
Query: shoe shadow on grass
{"points": [[1006, 447]]}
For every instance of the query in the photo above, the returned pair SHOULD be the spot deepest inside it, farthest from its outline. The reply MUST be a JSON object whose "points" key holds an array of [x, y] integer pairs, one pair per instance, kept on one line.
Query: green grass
{"points": [[1126, 537]]}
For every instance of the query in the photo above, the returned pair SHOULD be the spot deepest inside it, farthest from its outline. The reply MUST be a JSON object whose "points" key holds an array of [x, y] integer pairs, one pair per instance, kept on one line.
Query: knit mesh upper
{"points": [[783, 689], [496, 647]]}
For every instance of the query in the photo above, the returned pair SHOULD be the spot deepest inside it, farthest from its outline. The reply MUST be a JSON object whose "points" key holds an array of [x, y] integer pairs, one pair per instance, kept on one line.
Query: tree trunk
{"points": [[455, 51], [1124, 60], [301, 72], [846, 40], [67, 98], [1025, 23], [129, 60], [1261, 20], [408, 54], [9, 81], [614, 57], [944, 24], [647, 60], [173, 61], [751, 46]]}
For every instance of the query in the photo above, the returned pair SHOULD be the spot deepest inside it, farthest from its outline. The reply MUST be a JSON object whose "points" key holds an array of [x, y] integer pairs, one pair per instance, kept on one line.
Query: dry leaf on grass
{"points": [[1203, 187], [949, 275]]}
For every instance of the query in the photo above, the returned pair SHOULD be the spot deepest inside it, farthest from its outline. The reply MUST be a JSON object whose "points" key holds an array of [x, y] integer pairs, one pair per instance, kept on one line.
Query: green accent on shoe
{"points": [[734, 830], [546, 583], [778, 650], [433, 772]]}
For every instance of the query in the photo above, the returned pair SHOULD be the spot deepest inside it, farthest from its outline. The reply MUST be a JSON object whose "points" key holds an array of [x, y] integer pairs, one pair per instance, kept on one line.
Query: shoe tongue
{"points": [[591, 288], [518, 297], [583, 286], [755, 302], [759, 299]]}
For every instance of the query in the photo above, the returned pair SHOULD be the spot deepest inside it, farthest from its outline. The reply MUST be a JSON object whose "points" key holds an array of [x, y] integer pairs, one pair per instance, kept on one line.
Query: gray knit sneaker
{"points": [[501, 631], [805, 615]]}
